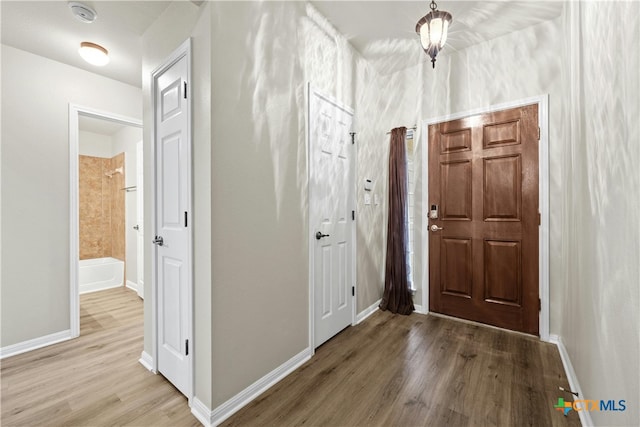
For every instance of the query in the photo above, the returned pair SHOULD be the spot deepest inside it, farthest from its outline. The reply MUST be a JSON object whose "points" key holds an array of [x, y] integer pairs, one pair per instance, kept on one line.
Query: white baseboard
{"points": [[367, 312], [201, 412], [35, 343], [98, 286], [585, 416], [237, 402], [418, 309], [147, 361], [132, 285], [140, 287]]}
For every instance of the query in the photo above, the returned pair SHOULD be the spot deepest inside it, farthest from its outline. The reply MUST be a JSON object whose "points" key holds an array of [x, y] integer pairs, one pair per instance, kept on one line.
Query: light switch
{"points": [[376, 199], [367, 198]]}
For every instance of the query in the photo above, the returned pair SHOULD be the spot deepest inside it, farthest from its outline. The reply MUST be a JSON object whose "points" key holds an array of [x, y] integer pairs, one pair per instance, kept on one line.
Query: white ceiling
{"points": [[47, 28], [382, 31]]}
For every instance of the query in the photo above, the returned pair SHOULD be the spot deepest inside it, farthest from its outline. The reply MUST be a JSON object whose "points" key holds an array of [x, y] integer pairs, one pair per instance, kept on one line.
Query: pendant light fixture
{"points": [[432, 29]]}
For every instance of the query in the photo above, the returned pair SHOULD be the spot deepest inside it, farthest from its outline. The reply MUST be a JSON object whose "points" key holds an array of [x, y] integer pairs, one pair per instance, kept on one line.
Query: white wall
{"points": [[94, 144], [598, 309], [124, 141], [36, 93]]}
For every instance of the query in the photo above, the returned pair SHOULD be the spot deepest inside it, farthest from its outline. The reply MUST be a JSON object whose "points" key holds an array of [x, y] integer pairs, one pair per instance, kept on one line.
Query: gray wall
{"points": [[178, 22], [36, 93], [598, 308]]}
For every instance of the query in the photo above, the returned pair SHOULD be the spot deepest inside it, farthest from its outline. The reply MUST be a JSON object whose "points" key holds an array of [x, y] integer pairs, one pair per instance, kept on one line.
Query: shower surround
{"points": [[102, 208]]}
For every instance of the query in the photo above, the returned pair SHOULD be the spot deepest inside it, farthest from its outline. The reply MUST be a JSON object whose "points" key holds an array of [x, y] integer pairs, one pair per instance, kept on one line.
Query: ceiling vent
{"points": [[83, 12]]}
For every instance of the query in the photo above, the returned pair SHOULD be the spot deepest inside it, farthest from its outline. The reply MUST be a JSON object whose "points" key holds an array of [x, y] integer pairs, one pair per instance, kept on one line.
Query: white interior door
{"points": [[140, 216], [331, 195], [172, 240]]}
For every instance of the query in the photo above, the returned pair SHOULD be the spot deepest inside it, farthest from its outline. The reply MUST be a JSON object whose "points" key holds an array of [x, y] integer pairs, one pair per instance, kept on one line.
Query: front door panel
{"points": [[483, 251]]}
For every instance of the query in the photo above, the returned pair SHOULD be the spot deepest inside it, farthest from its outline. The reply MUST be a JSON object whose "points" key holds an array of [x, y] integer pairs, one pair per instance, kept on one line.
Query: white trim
{"points": [[310, 226], [585, 416], [147, 361], [132, 285], [97, 287], [201, 412], [311, 291], [481, 325], [35, 343], [184, 50], [419, 309], [368, 311], [543, 205], [140, 286], [237, 402], [354, 225], [74, 252], [543, 198]]}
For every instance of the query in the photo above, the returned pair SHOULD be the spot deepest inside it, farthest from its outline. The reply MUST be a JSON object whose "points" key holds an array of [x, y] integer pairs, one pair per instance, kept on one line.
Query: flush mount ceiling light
{"points": [[432, 29], [83, 12], [94, 54]]}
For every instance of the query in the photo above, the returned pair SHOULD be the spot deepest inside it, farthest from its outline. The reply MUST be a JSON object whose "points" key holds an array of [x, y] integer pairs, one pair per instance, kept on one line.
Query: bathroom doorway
{"points": [[106, 205]]}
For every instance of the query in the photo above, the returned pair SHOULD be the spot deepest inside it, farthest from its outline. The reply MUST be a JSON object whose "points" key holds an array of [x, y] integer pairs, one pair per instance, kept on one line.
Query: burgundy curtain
{"points": [[397, 298]]}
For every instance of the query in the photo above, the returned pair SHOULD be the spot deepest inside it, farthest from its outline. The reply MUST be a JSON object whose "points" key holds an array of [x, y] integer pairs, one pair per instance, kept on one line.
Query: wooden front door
{"points": [[483, 245]]}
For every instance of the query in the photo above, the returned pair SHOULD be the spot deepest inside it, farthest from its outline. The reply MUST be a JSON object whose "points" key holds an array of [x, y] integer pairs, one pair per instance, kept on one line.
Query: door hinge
{"points": [[185, 218], [186, 347], [538, 133], [539, 304], [539, 218], [185, 90], [353, 215], [353, 137], [353, 291]]}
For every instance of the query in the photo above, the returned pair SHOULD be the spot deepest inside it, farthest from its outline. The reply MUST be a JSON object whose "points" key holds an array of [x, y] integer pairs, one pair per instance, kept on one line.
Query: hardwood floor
{"points": [[418, 370], [390, 370], [94, 380]]}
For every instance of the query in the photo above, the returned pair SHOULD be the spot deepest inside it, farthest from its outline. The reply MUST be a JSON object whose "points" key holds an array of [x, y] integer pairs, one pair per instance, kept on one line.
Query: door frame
{"points": [[184, 50], [543, 199], [75, 111], [310, 91], [140, 207]]}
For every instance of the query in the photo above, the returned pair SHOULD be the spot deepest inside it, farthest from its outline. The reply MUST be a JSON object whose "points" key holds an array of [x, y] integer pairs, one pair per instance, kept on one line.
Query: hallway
{"points": [[419, 370]]}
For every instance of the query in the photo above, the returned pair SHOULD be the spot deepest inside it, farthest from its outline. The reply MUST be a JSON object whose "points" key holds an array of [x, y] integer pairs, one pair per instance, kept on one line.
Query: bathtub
{"points": [[100, 273]]}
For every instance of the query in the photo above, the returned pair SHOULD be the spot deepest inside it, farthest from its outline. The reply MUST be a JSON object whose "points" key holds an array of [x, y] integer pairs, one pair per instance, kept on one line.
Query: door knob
{"points": [[158, 240], [319, 235], [435, 228]]}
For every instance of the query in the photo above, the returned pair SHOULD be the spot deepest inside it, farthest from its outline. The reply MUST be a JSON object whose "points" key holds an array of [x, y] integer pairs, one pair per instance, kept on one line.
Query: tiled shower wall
{"points": [[102, 209]]}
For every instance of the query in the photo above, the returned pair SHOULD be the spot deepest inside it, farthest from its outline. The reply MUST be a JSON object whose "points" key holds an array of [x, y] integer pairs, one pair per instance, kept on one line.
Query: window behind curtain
{"points": [[409, 220]]}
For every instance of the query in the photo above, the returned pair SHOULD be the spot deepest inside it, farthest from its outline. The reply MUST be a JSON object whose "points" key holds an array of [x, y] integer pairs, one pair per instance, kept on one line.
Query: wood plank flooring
{"points": [[390, 370], [94, 380], [418, 370]]}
